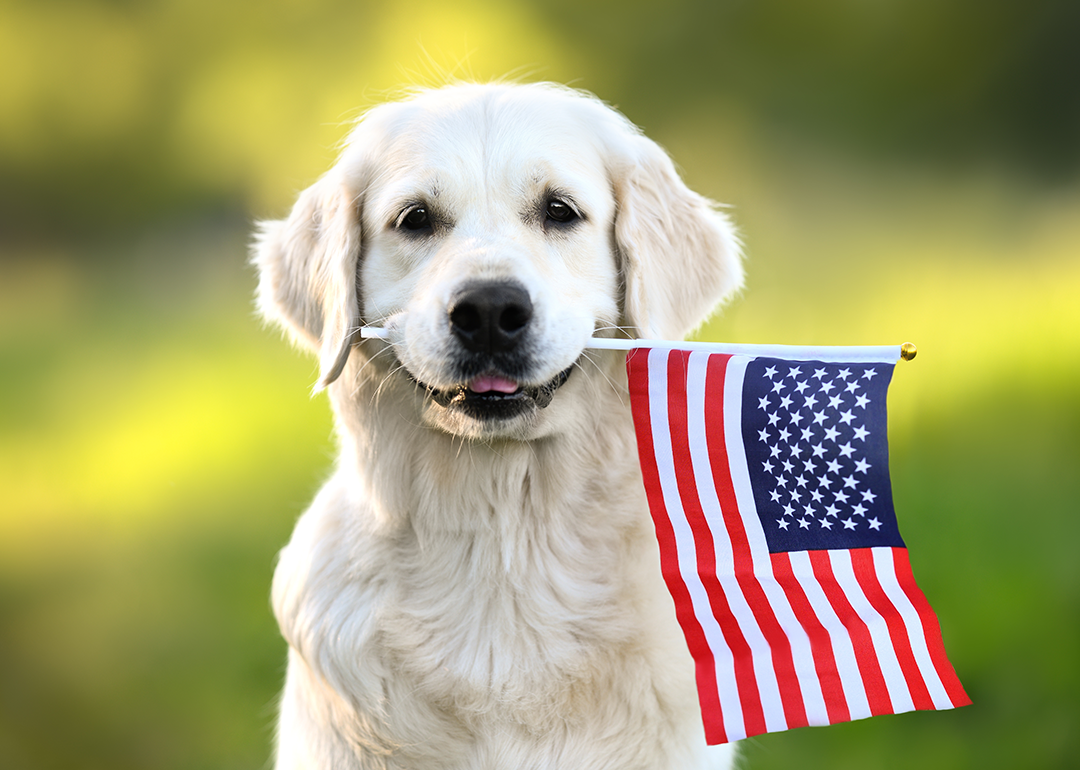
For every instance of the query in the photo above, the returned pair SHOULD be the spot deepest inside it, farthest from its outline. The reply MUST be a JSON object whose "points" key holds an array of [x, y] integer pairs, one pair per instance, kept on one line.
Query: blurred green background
{"points": [[900, 169]]}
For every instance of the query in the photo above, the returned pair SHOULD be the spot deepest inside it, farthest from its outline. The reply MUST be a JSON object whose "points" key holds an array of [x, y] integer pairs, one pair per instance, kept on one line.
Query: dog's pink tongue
{"points": [[488, 382]]}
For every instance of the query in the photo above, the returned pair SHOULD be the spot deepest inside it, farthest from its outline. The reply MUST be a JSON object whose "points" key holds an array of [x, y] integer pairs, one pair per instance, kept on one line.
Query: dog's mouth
{"points": [[492, 396]]}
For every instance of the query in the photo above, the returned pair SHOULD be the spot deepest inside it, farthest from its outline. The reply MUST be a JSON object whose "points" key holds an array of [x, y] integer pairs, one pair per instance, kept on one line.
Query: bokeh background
{"points": [[900, 170]]}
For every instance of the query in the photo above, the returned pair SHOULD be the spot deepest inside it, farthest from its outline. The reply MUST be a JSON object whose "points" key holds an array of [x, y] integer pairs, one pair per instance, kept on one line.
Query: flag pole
{"points": [[854, 354]]}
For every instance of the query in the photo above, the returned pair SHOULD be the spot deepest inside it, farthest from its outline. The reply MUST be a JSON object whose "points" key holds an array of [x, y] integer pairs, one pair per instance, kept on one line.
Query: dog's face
{"points": [[493, 230]]}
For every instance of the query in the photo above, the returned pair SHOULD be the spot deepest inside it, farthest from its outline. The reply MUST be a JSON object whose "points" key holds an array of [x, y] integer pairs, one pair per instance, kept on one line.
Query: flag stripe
{"points": [[885, 566], [780, 689], [847, 666], [821, 648], [700, 541], [880, 644], [864, 566], [931, 630], [877, 693], [641, 399]]}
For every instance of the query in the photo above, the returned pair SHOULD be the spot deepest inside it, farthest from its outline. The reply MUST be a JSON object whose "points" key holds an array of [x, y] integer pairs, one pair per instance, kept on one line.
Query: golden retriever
{"points": [[477, 586]]}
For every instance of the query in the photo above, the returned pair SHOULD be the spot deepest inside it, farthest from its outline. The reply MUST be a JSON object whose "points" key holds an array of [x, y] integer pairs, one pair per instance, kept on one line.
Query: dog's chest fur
{"points": [[491, 600]]}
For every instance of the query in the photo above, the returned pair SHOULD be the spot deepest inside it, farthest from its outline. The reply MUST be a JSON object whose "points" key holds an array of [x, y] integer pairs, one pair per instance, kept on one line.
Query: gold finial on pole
{"points": [[908, 351]]}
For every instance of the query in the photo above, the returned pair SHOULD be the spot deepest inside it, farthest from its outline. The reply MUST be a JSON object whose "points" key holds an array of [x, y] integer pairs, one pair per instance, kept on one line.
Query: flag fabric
{"points": [[768, 483]]}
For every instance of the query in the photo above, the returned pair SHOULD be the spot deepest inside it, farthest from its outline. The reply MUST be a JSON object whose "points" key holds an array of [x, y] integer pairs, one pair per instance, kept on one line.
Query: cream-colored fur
{"points": [[469, 593]]}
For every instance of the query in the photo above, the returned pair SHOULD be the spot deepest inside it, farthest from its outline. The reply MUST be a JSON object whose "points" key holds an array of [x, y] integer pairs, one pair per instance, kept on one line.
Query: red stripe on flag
{"points": [[832, 689], [877, 694], [637, 367], [862, 564], [931, 629], [783, 663], [705, 548]]}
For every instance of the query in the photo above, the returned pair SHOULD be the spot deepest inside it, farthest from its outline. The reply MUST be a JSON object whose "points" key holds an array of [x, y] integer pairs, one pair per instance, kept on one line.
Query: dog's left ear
{"points": [[679, 255], [308, 273]]}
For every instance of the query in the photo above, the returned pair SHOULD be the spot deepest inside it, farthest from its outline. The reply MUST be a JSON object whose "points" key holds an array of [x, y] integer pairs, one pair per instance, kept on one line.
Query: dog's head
{"points": [[492, 229]]}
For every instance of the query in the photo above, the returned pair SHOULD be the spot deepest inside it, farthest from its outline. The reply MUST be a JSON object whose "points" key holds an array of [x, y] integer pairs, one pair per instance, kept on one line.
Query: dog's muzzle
{"points": [[489, 320]]}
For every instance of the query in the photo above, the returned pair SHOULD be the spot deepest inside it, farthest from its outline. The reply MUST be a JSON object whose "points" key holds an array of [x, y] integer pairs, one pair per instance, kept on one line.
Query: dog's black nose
{"points": [[490, 317]]}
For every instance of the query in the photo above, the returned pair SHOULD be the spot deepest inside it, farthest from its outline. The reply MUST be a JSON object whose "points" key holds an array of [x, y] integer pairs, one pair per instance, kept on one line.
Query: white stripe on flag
{"points": [[843, 650], [740, 474], [899, 696], [760, 652], [723, 660], [885, 567]]}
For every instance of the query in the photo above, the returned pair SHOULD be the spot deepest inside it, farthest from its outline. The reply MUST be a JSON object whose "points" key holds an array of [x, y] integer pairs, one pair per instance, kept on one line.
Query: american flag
{"points": [[768, 483]]}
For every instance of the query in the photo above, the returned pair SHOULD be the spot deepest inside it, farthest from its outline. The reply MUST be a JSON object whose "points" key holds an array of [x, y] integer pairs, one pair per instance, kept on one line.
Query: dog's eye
{"points": [[415, 219], [559, 211]]}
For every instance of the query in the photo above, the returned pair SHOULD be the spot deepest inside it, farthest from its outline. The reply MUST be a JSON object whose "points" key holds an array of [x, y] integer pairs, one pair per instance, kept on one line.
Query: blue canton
{"points": [[817, 448]]}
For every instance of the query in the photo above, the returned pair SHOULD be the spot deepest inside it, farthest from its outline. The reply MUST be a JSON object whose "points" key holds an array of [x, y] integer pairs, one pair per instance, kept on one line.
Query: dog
{"points": [[477, 586]]}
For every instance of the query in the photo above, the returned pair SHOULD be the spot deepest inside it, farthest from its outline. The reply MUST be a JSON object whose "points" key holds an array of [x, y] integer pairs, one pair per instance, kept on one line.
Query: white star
{"points": [[826, 387], [796, 450], [819, 418], [818, 450], [869, 496], [819, 373], [861, 433], [824, 481], [832, 510], [874, 524], [774, 418], [806, 435], [826, 524], [861, 466], [846, 450], [785, 402], [859, 510], [767, 467], [770, 372], [785, 435], [782, 481], [775, 495], [774, 451], [808, 465], [834, 401], [796, 417], [850, 482], [794, 371], [810, 401], [808, 510], [782, 523], [861, 400], [787, 466], [844, 373], [801, 481], [796, 495], [849, 524], [841, 496], [831, 433], [763, 434], [804, 524], [816, 495], [853, 386], [763, 402], [801, 386], [788, 510], [777, 386], [847, 417], [833, 466], [869, 374]]}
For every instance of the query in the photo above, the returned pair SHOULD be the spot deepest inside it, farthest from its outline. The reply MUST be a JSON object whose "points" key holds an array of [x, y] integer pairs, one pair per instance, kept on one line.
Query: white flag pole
{"points": [[854, 354]]}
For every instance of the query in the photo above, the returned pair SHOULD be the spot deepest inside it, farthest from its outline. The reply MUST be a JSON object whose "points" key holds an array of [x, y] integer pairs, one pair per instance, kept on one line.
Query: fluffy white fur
{"points": [[468, 593]]}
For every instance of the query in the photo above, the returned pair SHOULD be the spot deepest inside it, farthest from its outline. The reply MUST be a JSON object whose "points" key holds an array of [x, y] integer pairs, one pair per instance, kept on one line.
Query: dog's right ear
{"points": [[308, 273]]}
